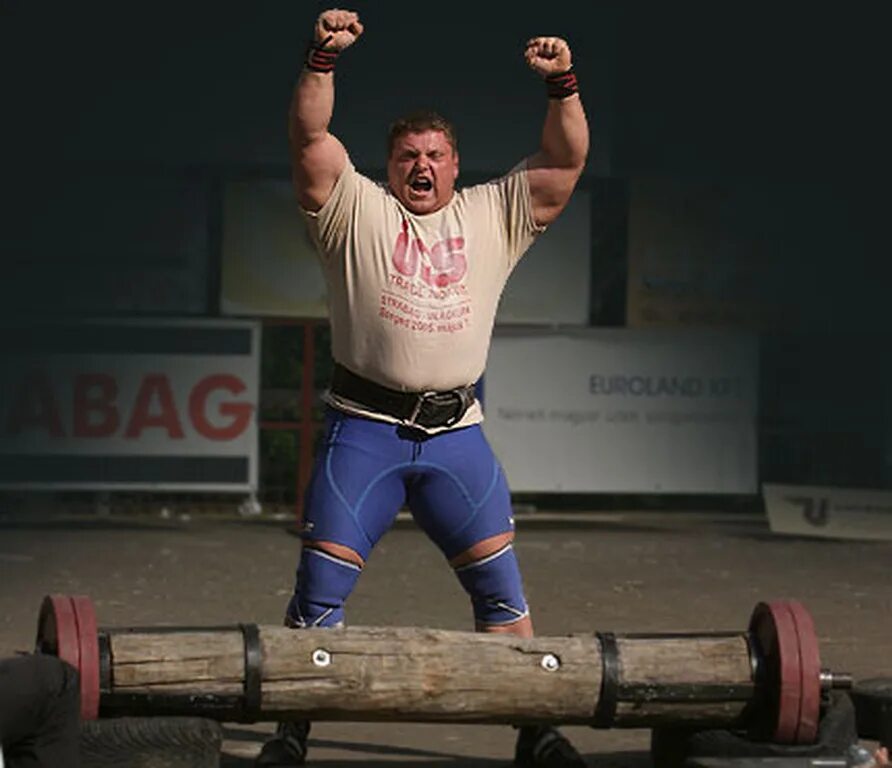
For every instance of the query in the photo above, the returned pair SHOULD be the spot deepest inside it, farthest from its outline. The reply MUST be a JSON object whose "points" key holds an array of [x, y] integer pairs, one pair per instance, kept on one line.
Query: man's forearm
{"points": [[554, 169], [565, 134], [312, 105], [317, 157]]}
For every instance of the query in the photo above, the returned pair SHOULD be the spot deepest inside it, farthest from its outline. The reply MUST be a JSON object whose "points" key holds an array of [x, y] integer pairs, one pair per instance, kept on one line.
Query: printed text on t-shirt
{"points": [[425, 293]]}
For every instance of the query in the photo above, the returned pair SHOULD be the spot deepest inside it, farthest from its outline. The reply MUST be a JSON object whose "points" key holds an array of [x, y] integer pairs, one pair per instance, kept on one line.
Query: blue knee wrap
{"points": [[495, 587], [323, 584]]}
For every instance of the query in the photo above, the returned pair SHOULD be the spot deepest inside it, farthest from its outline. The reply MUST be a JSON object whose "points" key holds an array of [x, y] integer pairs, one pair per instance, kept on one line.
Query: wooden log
{"points": [[426, 675], [768, 679]]}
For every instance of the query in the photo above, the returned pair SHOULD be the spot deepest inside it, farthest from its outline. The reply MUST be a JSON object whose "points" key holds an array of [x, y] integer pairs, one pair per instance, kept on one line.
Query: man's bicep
{"points": [[315, 168], [550, 190]]}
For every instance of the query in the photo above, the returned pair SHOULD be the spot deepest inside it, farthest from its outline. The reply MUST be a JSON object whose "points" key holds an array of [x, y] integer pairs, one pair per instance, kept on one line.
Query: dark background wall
{"points": [[119, 119]]}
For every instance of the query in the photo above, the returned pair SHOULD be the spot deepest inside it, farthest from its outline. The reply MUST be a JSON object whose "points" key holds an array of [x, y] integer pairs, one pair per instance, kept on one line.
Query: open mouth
{"points": [[421, 185]]}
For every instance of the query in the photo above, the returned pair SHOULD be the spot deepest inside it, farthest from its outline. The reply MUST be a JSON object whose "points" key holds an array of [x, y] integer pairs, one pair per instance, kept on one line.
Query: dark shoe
{"points": [[287, 748], [543, 746]]}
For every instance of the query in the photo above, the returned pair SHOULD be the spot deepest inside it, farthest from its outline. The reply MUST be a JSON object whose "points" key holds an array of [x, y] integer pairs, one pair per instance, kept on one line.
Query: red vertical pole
{"points": [[307, 427]]}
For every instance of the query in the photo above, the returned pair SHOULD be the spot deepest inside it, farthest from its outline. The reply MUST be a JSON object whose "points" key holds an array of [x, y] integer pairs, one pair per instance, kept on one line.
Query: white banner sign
{"points": [[161, 405], [269, 265], [624, 411], [836, 513]]}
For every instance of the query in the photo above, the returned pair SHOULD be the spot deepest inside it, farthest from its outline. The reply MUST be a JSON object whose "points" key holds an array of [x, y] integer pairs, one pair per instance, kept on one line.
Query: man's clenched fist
{"points": [[548, 55], [337, 29]]}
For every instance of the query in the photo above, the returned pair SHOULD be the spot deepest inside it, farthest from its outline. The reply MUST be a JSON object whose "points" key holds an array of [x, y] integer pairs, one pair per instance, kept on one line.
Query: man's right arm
{"points": [[317, 157]]}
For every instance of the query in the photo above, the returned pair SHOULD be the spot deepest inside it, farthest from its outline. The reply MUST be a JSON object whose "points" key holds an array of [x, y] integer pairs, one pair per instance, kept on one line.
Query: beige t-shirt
{"points": [[412, 299]]}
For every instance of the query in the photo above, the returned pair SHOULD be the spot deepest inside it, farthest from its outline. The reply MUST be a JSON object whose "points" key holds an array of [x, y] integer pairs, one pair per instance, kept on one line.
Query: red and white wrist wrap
{"points": [[319, 59], [561, 85]]}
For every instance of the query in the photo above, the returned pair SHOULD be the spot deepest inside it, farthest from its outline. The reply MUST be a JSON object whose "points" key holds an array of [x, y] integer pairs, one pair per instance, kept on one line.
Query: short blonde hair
{"points": [[419, 121]]}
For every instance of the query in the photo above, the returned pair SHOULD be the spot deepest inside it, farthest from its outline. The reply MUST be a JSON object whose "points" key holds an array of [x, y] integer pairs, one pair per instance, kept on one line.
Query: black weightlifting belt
{"points": [[424, 409]]}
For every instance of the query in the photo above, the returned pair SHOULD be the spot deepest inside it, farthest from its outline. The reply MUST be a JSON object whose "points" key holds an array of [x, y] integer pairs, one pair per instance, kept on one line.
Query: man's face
{"points": [[421, 171]]}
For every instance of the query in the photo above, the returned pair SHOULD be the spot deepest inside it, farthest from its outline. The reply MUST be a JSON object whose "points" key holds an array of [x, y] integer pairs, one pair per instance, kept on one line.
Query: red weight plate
{"points": [[57, 630], [89, 644], [774, 629], [810, 670]]}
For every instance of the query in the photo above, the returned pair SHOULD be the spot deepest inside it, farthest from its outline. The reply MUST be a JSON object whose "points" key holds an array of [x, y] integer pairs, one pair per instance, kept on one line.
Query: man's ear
{"points": [[455, 170]]}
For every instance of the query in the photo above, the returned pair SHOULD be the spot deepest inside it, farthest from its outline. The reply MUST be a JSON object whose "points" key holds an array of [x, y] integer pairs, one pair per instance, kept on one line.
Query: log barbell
{"points": [[767, 679]]}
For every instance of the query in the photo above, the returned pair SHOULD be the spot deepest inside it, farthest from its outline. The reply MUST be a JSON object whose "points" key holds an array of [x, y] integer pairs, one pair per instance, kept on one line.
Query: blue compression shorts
{"points": [[367, 470]]}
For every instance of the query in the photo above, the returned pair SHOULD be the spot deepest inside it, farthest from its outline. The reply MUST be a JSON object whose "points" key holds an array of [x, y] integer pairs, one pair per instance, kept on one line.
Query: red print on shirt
{"points": [[442, 264]]}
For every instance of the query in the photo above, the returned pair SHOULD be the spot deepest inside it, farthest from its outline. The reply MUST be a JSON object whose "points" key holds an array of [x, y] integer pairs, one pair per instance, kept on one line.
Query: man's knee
{"points": [[482, 549], [489, 573], [337, 550], [326, 575]]}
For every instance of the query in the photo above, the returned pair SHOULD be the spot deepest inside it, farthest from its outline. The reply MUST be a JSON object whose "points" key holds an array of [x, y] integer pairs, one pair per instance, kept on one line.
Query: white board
{"points": [[624, 411], [828, 512]]}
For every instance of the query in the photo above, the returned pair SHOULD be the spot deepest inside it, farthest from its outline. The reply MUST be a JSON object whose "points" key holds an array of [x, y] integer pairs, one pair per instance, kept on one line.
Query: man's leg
{"points": [[353, 497], [39, 712], [326, 575], [489, 573], [464, 504]]}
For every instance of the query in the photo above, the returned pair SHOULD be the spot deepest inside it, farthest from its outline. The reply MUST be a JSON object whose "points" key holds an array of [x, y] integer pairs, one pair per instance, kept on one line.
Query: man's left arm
{"points": [[555, 168]]}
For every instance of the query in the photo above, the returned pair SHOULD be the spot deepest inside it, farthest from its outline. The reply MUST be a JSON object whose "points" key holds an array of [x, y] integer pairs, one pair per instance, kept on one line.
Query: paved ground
{"points": [[624, 572]]}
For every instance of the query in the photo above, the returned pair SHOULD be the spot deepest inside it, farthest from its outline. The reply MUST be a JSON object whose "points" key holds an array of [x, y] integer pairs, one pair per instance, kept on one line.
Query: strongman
{"points": [[415, 270]]}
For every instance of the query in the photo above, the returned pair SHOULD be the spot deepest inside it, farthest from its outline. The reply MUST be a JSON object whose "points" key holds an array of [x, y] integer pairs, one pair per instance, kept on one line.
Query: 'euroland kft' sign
{"points": [[160, 405], [624, 410]]}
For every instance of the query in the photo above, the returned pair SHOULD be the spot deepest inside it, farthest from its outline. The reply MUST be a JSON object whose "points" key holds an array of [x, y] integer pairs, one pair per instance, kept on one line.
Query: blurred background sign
{"points": [[624, 411], [150, 404], [828, 512]]}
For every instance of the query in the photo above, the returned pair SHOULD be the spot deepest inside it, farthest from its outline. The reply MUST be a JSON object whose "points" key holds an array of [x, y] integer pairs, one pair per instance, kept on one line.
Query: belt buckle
{"points": [[464, 402], [416, 409], [459, 396]]}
